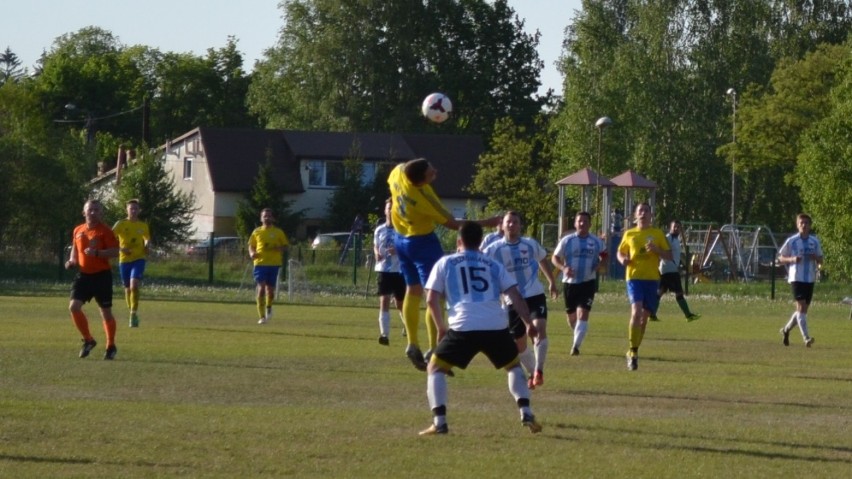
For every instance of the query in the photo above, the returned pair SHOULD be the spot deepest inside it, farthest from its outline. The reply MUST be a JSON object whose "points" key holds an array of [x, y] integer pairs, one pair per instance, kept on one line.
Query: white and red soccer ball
{"points": [[437, 107]]}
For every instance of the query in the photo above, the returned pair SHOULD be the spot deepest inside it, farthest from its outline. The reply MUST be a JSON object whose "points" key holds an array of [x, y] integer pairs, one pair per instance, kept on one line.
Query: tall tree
{"points": [[10, 67], [366, 65], [514, 174], [167, 210], [769, 124], [265, 193], [823, 176]]}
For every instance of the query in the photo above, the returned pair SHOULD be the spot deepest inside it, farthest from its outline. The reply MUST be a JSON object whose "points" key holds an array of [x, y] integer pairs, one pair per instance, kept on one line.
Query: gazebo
{"points": [[590, 180], [630, 181]]}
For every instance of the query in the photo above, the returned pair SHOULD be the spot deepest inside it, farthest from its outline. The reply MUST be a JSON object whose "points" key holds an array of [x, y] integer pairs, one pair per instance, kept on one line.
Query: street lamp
{"points": [[733, 94], [602, 123], [89, 122]]}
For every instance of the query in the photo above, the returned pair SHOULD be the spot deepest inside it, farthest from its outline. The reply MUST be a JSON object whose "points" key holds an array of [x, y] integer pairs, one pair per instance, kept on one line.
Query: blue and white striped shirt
{"points": [[521, 260], [382, 240], [804, 271], [472, 283], [581, 254]]}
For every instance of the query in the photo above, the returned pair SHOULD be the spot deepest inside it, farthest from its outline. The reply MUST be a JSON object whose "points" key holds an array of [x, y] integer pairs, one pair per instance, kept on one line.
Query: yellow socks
{"points": [[411, 316]]}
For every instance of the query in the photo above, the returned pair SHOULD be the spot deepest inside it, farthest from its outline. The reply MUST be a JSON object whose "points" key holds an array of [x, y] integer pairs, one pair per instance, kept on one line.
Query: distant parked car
{"points": [[330, 240], [221, 244]]}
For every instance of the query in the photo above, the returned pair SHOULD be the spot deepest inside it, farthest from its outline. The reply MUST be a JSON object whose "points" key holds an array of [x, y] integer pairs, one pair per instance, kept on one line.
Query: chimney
{"points": [[119, 164]]}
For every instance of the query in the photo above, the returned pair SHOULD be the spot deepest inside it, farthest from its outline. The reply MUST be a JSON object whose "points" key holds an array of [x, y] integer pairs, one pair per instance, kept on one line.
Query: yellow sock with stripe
{"points": [[134, 300], [635, 337]]}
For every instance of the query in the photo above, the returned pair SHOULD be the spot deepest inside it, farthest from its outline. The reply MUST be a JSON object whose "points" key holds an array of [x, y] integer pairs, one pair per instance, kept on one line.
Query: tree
{"points": [[822, 174], [44, 182], [770, 122], [10, 67], [365, 65], [266, 194], [514, 174], [354, 198], [168, 211]]}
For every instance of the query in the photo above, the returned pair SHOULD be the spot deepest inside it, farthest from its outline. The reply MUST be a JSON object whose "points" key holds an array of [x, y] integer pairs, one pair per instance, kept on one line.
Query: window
{"points": [[187, 168], [325, 174]]}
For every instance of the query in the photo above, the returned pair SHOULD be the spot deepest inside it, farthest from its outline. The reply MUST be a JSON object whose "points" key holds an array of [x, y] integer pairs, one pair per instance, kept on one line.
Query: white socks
{"points": [[528, 360], [540, 347], [580, 333], [384, 323]]}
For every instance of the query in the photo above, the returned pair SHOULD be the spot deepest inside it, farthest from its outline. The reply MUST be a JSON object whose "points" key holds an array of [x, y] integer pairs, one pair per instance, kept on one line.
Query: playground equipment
{"points": [[732, 252]]}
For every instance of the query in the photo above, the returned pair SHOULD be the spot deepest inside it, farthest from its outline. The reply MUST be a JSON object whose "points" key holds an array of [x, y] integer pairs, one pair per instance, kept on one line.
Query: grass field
{"points": [[200, 390]]}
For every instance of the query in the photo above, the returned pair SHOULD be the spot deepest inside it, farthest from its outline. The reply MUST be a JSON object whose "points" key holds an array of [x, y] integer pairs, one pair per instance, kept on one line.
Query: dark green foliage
{"points": [[167, 210], [266, 194]]}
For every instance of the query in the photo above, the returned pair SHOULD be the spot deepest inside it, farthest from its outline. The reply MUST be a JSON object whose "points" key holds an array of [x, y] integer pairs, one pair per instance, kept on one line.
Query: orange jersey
{"points": [[99, 237]]}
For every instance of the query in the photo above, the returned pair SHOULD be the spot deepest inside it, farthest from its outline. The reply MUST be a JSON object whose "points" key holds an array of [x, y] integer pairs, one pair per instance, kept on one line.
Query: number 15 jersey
{"points": [[472, 283]]}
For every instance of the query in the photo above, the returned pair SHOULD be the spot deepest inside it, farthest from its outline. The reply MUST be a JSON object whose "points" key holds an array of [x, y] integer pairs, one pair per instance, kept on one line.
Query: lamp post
{"points": [[602, 123], [733, 94]]}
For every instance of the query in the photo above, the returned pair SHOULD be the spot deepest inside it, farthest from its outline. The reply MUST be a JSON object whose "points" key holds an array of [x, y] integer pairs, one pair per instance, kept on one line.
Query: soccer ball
{"points": [[437, 107]]}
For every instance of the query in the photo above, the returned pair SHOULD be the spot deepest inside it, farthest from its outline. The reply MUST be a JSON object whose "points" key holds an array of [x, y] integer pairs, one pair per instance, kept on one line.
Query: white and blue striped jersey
{"points": [[382, 240], [472, 283], [667, 266], [804, 271], [581, 254], [490, 238], [520, 260]]}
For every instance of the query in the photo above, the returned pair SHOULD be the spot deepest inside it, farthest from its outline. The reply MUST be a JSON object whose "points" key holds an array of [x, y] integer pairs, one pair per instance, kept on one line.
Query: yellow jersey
{"points": [[132, 235], [267, 242], [643, 264], [416, 209]]}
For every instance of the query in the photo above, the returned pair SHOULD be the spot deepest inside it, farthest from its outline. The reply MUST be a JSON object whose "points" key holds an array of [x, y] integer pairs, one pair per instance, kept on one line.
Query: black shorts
{"points": [[538, 310], [802, 291], [458, 348], [670, 282], [391, 283], [579, 295], [96, 285]]}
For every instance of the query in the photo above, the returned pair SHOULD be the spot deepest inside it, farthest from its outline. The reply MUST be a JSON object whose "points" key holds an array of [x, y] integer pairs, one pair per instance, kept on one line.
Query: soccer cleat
{"points": [[538, 378], [530, 423], [808, 342], [384, 341], [268, 314], [134, 320], [575, 352], [654, 317], [262, 320], [87, 348], [786, 337], [110, 352], [416, 357], [434, 430], [632, 361], [692, 317]]}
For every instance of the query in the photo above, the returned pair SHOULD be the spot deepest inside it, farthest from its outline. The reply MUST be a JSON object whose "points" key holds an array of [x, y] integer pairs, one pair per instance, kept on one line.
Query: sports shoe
{"points": [[530, 423], [110, 352], [268, 313], [384, 341], [87, 348], [134, 320], [653, 317], [538, 378], [808, 342], [262, 320], [575, 352], [632, 361], [692, 317], [416, 357], [434, 430], [786, 337]]}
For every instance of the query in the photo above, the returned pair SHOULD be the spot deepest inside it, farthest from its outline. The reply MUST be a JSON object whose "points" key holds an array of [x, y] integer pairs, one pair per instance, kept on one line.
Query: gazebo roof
{"points": [[631, 179], [586, 177]]}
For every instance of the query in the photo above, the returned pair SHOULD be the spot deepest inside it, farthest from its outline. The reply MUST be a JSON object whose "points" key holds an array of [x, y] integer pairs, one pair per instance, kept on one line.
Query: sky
{"points": [[29, 27]]}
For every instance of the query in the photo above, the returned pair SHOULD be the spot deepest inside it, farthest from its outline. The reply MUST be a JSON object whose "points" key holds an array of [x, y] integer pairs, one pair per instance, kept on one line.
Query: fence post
{"points": [[210, 257]]}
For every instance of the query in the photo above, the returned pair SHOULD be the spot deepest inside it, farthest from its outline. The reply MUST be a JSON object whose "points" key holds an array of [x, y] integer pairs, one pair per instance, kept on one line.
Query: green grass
{"points": [[200, 390]]}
